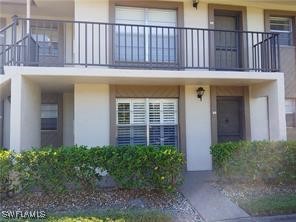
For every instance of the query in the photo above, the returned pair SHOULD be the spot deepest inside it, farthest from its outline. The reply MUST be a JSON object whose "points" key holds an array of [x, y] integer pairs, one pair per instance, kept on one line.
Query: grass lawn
{"points": [[271, 205], [107, 216]]}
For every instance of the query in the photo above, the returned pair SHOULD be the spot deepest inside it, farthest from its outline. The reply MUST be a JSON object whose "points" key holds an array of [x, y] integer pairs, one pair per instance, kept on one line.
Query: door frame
{"points": [[230, 10], [230, 91]]}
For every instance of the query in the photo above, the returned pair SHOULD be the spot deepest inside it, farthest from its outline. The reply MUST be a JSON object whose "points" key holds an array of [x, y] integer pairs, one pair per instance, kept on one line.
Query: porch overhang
{"points": [[65, 77]]}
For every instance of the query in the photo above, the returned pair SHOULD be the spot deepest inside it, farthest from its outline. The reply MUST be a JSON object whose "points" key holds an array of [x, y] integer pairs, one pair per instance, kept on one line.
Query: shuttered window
{"points": [[145, 44], [283, 26], [49, 117], [147, 121], [290, 112]]}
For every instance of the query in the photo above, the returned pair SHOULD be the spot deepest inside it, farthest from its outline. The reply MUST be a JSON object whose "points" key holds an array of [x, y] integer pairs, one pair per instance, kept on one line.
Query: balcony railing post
{"points": [[278, 52], [15, 19], [85, 50]]}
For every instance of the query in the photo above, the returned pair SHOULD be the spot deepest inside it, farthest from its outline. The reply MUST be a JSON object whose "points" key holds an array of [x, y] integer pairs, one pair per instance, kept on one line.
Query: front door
{"points": [[227, 43], [229, 118]]}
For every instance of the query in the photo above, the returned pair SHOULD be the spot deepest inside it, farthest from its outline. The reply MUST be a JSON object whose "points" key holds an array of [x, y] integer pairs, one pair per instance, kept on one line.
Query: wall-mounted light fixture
{"points": [[195, 3], [200, 92]]}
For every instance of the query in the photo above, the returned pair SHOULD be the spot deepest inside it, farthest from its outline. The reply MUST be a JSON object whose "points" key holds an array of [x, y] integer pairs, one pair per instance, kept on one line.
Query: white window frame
{"points": [[147, 123]]}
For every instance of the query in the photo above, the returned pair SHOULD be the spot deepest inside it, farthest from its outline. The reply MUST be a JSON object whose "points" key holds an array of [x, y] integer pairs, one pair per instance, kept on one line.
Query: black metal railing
{"points": [[37, 42]]}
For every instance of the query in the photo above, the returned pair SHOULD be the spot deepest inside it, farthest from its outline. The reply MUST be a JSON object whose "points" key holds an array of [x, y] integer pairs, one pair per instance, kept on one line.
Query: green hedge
{"points": [[132, 167], [6, 166], [256, 161]]}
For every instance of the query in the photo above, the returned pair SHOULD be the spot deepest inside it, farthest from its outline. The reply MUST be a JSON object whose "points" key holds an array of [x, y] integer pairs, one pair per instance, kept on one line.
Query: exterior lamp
{"points": [[200, 92], [195, 3]]}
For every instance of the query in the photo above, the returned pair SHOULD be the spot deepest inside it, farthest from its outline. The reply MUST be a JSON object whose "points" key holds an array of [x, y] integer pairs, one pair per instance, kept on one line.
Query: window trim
{"points": [[178, 6], [278, 13]]}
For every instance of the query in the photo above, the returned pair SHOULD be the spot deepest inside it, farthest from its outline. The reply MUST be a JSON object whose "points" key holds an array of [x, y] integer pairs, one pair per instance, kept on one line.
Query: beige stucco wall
{"points": [[98, 11], [91, 111], [274, 91], [198, 129], [259, 118], [68, 119]]}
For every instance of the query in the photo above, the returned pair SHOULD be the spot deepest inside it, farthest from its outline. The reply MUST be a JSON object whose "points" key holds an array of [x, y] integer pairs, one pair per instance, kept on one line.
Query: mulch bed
{"points": [[174, 204], [246, 191]]}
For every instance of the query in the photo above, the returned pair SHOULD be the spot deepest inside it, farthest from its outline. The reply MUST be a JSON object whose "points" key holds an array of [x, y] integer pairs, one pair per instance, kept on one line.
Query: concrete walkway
{"points": [[280, 218], [210, 203]]}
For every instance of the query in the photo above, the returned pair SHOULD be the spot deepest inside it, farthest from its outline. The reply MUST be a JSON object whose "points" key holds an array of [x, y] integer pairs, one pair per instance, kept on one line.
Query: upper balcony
{"points": [[36, 42]]}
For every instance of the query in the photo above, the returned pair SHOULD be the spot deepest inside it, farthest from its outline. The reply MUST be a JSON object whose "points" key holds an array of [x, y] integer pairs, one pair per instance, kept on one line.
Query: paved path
{"points": [[281, 218], [213, 206], [210, 203]]}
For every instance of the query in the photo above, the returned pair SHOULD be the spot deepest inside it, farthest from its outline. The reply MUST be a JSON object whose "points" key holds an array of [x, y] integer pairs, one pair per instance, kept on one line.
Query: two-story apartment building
{"points": [[187, 73]]}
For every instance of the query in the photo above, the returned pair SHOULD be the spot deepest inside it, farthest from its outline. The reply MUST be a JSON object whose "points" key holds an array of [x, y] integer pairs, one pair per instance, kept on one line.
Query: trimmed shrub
{"points": [[142, 167], [6, 169], [133, 167], [53, 169], [256, 161]]}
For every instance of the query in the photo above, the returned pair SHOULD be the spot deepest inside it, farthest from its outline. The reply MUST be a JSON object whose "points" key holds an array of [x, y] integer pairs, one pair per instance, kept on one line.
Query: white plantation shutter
{"points": [[154, 112], [155, 118], [138, 121], [139, 112], [163, 121], [170, 112]]}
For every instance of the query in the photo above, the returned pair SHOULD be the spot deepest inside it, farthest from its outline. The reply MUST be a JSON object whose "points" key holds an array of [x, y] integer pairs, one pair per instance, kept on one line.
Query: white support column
{"points": [[25, 114], [15, 114], [28, 14]]}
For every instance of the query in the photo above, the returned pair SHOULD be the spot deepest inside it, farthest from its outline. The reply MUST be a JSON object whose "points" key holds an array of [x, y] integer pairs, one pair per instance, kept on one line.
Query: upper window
{"points": [[283, 26], [141, 40], [47, 38], [49, 117], [290, 112], [147, 121]]}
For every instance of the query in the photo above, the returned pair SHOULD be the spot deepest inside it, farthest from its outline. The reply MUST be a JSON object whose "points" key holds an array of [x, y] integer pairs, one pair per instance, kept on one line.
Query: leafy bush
{"points": [[6, 169], [142, 167], [256, 161], [53, 169], [133, 167]]}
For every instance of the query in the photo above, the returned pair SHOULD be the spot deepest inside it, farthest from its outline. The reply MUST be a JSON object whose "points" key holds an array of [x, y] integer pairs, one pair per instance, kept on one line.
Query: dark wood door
{"points": [[229, 119], [227, 43]]}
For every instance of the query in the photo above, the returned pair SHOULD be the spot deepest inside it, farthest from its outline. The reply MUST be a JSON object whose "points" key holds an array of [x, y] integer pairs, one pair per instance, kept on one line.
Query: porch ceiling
{"points": [[39, 8], [66, 83]]}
